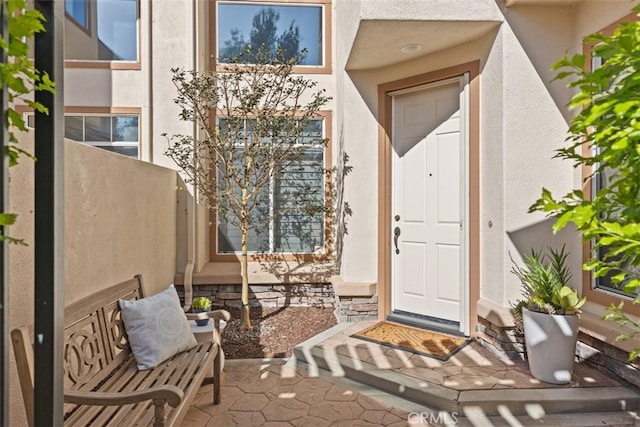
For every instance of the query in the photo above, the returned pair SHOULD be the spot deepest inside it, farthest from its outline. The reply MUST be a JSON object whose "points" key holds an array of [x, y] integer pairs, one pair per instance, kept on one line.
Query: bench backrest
{"points": [[95, 342]]}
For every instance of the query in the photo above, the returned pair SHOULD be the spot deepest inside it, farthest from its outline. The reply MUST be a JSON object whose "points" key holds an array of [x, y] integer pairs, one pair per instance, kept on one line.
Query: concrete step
{"points": [[489, 403]]}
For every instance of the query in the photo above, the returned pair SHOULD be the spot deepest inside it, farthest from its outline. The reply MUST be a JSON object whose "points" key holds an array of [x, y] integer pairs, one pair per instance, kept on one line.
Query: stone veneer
{"points": [[608, 359], [356, 309], [604, 357], [502, 340], [295, 295], [348, 307]]}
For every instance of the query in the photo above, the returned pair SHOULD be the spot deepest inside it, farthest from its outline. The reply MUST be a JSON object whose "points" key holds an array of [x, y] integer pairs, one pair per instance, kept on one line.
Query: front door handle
{"points": [[396, 234]]}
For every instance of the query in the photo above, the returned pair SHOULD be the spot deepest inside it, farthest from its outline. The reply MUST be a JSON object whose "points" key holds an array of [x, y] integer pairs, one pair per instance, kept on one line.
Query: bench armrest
{"points": [[169, 393], [216, 315]]}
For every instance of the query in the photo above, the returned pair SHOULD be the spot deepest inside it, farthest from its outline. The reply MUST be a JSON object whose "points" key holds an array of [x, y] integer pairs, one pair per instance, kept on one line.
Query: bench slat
{"points": [[145, 379], [188, 375]]}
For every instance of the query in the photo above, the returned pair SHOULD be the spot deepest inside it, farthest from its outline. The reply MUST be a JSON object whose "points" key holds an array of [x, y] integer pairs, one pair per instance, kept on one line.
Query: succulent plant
{"points": [[201, 303]]}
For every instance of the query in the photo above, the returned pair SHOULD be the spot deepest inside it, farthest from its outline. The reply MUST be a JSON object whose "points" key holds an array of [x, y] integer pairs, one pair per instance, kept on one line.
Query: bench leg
{"points": [[217, 376], [159, 414]]}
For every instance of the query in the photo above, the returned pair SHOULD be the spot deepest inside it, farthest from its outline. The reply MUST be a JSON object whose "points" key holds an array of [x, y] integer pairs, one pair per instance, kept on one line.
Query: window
{"points": [[115, 133], [112, 36], [295, 232], [78, 11], [293, 28], [602, 290]]}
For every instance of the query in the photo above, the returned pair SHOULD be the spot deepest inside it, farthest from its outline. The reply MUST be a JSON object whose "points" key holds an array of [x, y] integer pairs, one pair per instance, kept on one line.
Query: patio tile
{"points": [[285, 410], [274, 394], [195, 418], [310, 422], [336, 411], [250, 402], [340, 394], [258, 384], [240, 419]]}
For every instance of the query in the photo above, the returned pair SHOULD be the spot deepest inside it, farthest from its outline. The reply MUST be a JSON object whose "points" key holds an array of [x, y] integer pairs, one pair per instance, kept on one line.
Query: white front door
{"points": [[429, 202]]}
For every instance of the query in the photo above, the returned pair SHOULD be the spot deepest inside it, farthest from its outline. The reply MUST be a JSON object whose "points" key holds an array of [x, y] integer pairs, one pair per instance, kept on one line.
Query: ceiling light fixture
{"points": [[411, 48]]}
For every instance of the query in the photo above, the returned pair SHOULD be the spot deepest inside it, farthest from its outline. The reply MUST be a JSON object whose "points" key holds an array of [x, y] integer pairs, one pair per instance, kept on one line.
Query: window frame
{"points": [[597, 295], [324, 255], [113, 65], [327, 29], [99, 111]]}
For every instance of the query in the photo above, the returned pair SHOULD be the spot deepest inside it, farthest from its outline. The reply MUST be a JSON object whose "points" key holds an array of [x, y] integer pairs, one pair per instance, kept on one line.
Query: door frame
{"points": [[385, 185]]}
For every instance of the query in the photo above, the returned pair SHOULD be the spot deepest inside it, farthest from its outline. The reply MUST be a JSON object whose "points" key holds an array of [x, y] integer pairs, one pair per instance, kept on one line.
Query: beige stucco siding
{"points": [[120, 219]]}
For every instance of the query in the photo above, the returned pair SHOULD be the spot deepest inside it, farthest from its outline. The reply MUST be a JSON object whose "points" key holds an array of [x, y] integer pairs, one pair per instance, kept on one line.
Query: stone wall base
{"points": [[294, 295], [608, 359], [502, 341], [356, 309]]}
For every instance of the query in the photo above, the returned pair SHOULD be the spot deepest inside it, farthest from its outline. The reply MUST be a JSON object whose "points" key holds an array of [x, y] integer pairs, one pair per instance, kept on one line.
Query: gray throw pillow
{"points": [[157, 327]]}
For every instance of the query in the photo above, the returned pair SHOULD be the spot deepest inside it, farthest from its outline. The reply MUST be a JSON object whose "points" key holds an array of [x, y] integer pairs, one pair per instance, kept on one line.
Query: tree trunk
{"points": [[244, 264]]}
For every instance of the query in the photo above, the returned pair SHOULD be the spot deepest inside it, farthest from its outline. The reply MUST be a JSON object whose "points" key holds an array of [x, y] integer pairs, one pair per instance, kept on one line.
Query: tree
{"points": [[258, 141], [608, 129], [19, 75], [264, 42]]}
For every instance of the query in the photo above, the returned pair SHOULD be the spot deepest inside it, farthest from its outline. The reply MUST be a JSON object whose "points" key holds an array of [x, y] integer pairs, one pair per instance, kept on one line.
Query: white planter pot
{"points": [[551, 345]]}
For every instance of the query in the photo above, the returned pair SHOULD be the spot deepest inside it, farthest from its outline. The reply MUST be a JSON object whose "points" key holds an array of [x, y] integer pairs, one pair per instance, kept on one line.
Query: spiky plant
{"points": [[544, 279]]}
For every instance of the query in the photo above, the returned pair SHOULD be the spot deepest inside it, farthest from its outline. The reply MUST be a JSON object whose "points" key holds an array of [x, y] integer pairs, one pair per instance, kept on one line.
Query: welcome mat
{"points": [[427, 343]]}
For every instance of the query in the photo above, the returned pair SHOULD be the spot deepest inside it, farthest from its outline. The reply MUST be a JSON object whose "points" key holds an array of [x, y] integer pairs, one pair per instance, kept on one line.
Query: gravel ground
{"points": [[276, 331]]}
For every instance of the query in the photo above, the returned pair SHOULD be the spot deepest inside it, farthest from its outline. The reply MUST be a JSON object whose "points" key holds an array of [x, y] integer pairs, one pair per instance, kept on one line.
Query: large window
{"points": [[294, 232], [292, 28], [602, 288], [116, 133], [109, 31]]}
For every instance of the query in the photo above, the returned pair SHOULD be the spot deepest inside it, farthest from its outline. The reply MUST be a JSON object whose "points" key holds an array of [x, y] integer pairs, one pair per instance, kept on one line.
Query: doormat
{"points": [[420, 341]]}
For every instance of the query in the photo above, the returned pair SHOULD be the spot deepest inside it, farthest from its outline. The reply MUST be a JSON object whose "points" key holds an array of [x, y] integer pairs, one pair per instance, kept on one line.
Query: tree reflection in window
{"points": [[281, 31]]}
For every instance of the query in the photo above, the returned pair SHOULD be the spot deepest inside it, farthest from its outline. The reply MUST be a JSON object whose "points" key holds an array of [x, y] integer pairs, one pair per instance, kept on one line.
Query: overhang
{"points": [[379, 43]]}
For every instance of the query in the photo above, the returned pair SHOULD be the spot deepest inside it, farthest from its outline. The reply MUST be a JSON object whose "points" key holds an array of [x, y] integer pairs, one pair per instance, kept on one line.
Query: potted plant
{"points": [[548, 315], [201, 305]]}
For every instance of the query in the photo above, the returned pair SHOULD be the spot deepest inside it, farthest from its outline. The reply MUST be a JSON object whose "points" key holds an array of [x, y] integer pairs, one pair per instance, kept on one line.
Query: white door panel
{"points": [[428, 187]]}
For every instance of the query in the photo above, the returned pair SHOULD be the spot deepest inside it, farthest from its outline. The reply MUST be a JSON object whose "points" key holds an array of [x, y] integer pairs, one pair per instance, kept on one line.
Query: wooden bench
{"points": [[102, 385]]}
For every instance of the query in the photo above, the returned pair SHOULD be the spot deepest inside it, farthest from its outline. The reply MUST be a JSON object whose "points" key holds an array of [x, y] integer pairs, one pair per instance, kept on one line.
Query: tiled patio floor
{"points": [[474, 386], [273, 394]]}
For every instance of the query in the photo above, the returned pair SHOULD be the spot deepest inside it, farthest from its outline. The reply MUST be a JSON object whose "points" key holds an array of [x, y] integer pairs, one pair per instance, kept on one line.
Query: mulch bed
{"points": [[276, 331]]}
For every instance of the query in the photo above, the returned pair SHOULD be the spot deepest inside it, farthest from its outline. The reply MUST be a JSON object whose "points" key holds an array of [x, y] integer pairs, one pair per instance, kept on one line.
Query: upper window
{"points": [[292, 29], [78, 11], [116, 133], [110, 30]]}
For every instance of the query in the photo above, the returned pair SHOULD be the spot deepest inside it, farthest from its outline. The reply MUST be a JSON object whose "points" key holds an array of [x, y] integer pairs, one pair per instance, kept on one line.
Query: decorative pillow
{"points": [[157, 327]]}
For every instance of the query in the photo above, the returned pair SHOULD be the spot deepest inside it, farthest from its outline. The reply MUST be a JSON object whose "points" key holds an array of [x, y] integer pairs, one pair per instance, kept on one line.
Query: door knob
{"points": [[396, 234]]}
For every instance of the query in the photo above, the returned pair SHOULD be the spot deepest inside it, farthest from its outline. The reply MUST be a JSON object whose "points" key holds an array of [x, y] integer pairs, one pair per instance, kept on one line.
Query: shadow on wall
{"points": [[339, 211], [540, 235]]}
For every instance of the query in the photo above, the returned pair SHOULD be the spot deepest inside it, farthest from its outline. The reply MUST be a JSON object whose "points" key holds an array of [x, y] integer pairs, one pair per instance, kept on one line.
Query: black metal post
{"points": [[4, 253], [49, 221]]}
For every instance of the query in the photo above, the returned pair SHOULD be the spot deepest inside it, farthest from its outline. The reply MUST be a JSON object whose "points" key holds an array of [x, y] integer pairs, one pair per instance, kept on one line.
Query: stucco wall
{"points": [[120, 219], [522, 121]]}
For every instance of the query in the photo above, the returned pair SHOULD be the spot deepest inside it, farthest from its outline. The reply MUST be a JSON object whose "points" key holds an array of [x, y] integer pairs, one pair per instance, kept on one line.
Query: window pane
{"points": [[290, 28], [229, 235], [300, 192], [125, 128], [97, 129], [296, 197], [73, 128], [114, 37], [77, 9]]}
